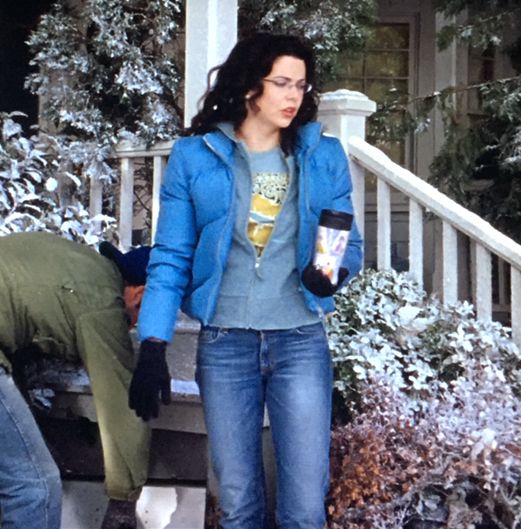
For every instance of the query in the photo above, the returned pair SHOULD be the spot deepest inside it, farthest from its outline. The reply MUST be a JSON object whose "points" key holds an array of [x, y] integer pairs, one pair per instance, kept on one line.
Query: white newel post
{"points": [[344, 114], [211, 32]]}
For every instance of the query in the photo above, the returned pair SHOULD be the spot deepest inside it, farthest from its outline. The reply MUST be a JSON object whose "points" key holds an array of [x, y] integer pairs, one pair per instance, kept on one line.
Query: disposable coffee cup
{"points": [[331, 242]]}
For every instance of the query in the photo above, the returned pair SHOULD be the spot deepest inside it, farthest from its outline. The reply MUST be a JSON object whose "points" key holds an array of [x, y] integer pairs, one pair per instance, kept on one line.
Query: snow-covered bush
{"points": [[33, 171], [386, 326], [435, 436], [107, 69], [329, 25]]}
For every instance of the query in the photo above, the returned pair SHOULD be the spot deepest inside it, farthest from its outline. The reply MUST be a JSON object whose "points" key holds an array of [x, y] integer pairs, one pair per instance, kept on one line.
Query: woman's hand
{"points": [[319, 284], [150, 381]]}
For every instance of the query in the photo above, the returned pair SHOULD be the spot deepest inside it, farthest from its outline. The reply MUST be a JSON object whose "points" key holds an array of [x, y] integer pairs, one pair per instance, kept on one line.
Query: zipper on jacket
{"points": [[305, 158], [305, 176], [303, 170], [229, 215], [302, 177]]}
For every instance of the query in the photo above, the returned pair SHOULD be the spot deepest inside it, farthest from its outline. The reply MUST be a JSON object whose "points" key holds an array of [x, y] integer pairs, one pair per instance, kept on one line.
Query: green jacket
{"points": [[68, 300], [58, 295]]}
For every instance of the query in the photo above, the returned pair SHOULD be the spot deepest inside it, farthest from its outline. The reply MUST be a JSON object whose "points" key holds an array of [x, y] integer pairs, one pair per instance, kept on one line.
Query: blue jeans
{"points": [[30, 485], [238, 372]]}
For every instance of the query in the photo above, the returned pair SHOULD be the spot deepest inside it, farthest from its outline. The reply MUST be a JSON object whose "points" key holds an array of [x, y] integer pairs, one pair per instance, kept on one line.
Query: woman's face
{"points": [[283, 90]]}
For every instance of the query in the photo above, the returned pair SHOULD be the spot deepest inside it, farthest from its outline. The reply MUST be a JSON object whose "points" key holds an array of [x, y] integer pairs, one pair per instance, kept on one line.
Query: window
{"points": [[383, 69]]}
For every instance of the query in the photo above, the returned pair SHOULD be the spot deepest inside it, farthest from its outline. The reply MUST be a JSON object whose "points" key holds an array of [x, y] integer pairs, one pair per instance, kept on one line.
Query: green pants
{"points": [[125, 438]]}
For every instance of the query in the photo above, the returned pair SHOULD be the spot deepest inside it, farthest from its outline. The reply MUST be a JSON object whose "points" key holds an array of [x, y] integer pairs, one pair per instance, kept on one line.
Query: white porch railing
{"points": [[424, 197], [127, 155], [345, 113]]}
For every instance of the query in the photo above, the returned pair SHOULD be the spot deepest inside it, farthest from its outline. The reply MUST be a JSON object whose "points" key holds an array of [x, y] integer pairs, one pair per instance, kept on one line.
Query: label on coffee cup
{"points": [[330, 247]]}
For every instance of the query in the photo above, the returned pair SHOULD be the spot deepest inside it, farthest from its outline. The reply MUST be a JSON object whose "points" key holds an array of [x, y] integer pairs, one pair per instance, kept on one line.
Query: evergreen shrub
{"points": [[33, 173]]}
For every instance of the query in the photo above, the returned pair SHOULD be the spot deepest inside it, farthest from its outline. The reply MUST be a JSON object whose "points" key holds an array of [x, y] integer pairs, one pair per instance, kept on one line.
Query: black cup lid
{"points": [[338, 220]]}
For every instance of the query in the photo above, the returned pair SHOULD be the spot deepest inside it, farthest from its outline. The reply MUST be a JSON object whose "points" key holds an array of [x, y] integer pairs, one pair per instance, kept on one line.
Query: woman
{"points": [[239, 210]]}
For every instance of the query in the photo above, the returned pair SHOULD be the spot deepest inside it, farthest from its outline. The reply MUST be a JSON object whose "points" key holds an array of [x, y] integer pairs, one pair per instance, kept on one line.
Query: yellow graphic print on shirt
{"points": [[268, 192]]}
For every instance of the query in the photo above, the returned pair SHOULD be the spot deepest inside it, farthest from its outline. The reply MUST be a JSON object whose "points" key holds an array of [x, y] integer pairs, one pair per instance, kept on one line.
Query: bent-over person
{"points": [[73, 303]]}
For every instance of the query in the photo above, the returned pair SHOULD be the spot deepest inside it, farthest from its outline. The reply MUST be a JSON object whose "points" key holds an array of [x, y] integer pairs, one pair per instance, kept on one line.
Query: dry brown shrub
{"points": [[376, 459]]}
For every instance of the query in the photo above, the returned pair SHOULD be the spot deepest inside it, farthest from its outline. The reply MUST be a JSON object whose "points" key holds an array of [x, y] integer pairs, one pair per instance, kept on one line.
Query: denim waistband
{"points": [[319, 326]]}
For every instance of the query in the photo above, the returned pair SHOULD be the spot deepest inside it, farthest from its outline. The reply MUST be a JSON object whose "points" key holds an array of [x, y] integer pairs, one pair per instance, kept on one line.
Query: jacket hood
{"points": [[227, 129]]}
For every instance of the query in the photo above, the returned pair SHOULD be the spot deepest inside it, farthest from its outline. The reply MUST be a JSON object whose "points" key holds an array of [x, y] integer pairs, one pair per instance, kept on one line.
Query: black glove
{"points": [[318, 283], [150, 379]]}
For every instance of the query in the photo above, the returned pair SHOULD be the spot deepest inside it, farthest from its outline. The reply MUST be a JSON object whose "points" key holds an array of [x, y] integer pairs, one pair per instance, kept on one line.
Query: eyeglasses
{"points": [[284, 83]]}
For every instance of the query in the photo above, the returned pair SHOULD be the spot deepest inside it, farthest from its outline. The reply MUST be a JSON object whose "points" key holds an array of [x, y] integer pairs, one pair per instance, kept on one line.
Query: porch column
{"points": [[445, 75], [211, 32], [343, 114]]}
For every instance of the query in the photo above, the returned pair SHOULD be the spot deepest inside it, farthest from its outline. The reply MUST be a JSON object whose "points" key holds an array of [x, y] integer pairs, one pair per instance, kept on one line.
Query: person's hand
{"points": [[150, 380], [318, 283]]}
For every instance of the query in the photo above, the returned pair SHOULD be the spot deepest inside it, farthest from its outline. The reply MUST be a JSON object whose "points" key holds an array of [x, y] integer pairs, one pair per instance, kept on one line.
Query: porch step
{"points": [[67, 417], [159, 507]]}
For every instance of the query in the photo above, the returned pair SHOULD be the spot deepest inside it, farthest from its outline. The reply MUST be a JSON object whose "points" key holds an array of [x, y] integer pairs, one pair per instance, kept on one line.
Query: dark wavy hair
{"points": [[249, 62]]}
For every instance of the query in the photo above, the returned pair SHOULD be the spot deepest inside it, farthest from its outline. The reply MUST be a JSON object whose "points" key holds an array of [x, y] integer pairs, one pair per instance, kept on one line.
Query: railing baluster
{"points": [[502, 288], [383, 225], [450, 263], [515, 280], [358, 179], [126, 203], [483, 289], [159, 166], [416, 241], [95, 198]]}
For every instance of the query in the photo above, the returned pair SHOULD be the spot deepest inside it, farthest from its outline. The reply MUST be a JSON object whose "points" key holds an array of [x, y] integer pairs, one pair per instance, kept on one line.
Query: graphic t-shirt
{"points": [[270, 181]]}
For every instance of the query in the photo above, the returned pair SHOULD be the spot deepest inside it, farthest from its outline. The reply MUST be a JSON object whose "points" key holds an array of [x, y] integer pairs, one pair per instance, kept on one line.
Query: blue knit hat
{"points": [[132, 265]]}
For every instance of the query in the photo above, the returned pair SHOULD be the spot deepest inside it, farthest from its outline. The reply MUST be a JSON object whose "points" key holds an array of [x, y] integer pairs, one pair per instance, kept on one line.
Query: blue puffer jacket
{"points": [[196, 221]]}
